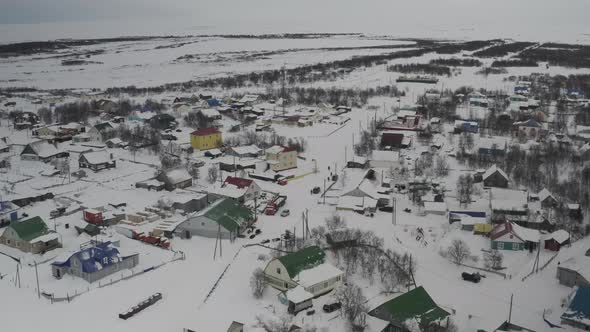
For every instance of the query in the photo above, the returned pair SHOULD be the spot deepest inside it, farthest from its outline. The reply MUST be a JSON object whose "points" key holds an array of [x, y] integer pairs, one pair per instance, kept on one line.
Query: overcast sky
{"points": [[37, 11], [555, 17]]}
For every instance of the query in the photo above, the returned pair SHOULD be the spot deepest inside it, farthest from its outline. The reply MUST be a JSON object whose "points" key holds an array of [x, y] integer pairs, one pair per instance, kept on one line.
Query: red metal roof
{"points": [[238, 182], [288, 149], [205, 131]]}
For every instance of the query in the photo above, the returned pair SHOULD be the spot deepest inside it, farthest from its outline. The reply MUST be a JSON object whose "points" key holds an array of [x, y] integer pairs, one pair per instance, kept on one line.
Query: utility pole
{"points": [[37, 275], [235, 168], [510, 312], [324, 191], [284, 69]]}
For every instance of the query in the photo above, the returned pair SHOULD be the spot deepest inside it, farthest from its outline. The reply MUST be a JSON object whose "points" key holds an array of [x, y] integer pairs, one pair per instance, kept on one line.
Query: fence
{"points": [[178, 255]]}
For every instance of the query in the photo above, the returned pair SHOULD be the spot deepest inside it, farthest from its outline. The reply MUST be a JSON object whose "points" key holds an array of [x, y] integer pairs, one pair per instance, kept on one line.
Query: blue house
{"points": [[94, 263], [213, 102], [462, 126], [578, 312]]}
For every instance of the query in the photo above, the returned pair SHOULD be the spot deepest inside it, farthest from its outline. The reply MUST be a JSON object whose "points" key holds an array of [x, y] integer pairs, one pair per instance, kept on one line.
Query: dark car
{"points": [[265, 241], [258, 231], [276, 239], [252, 236], [473, 277], [328, 308], [316, 190]]}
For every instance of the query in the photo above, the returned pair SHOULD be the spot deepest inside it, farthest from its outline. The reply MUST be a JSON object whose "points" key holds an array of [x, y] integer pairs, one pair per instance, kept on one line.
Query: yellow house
{"points": [[206, 138]]}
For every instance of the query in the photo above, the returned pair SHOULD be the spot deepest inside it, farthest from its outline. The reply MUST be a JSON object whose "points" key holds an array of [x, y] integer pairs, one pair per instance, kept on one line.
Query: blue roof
{"points": [[213, 102], [579, 308], [95, 258]]}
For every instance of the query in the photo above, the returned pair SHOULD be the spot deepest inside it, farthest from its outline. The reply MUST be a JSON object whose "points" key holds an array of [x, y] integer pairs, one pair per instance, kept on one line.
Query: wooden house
{"points": [[177, 178], [495, 177], [510, 236], [557, 239], [96, 160], [31, 235]]}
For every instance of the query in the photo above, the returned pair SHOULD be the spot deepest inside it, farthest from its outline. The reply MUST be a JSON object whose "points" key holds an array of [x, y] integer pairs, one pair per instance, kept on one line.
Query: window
{"points": [[515, 246], [105, 260], [500, 245], [278, 270], [17, 244]]}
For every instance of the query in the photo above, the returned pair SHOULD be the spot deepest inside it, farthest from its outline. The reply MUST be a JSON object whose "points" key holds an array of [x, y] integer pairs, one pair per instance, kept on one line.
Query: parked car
{"points": [[473, 277], [276, 239], [407, 210], [316, 190], [252, 236], [257, 231], [285, 212], [328, 308], [265, 241], [282, 182]]}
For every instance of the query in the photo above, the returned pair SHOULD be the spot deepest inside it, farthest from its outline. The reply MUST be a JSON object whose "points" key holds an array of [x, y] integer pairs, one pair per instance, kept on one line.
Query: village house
{"points": [[239, 189], [115, 143], [42, 151], [547, 199], [307, 268], [96, 131], [529, 129], [245, 151], [415, 304], [177, 178], [31, 235], [394, 141], [495, 177], [281, 158], [96, 160], [163, 121], [557, 239], [510, 236], [225, 218], [509, 205], [462, 126], [210, 114], [578, 312], [574, 271], [94, 263], [206, 138], [81, 138]]}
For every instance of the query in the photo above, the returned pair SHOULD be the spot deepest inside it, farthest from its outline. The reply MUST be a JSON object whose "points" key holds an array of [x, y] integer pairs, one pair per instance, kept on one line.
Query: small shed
{"points": [[93, 216], [556, 240], [298, 299]]}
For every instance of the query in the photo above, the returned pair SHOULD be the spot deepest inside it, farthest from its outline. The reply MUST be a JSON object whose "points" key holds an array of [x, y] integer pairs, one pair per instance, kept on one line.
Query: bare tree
{"points": [[493, 259], [465, 189], [442, 166], [212, 174], [458, 251], [169, 161], [335, 222], [353, 301], [258, 283], [45, 115]]}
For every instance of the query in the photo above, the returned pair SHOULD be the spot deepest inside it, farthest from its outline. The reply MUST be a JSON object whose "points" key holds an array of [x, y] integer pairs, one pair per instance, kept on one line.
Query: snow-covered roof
{"points": [[298, 295], [579, 264], [317, 274], [178, 175], [45, 237], [356, 203], [246, 149], [210, 112], [493, 169], [544, 194], [97, 157], [274, 149], [44, 149], [559, 235], [527, 234]]}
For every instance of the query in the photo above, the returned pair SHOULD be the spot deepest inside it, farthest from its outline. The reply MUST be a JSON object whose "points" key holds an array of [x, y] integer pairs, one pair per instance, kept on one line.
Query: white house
{"points": [[307, 268], [281, 158]]}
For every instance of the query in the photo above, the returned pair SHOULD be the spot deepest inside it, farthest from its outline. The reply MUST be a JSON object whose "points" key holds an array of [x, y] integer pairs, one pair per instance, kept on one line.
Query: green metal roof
{"points": [[30, 228], [229, 214], [302, 260], [413, 304]]}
